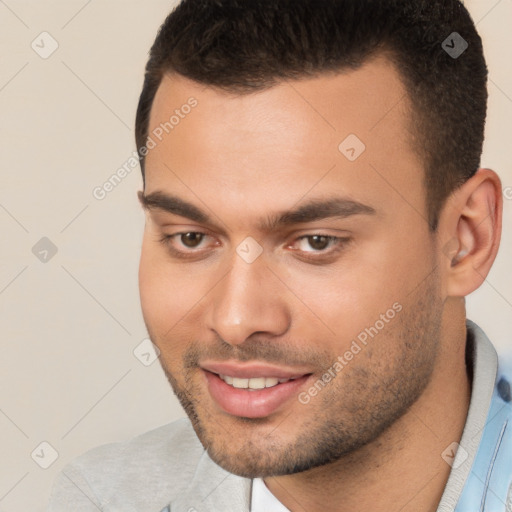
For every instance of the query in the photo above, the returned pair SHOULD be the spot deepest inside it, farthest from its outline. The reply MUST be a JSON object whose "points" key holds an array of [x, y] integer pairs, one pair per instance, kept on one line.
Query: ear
{"points": [[470, 232]]}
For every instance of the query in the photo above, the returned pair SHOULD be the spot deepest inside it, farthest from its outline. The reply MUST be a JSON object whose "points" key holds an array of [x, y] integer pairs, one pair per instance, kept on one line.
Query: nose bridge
{"points": [[247, 301]]}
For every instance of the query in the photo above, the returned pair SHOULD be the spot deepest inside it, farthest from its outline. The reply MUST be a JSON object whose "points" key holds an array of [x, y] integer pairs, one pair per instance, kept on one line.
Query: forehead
{"points": [[347, 131]]}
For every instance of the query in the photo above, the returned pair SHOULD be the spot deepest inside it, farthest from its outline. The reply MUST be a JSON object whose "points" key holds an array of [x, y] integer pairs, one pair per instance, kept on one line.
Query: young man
{"points": [[315, 216]]}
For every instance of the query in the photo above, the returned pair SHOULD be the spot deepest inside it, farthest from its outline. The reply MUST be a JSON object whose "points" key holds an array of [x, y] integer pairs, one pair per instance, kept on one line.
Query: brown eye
{"points": [[320, 246], [318, 242], [191, 245], [191, 239]]}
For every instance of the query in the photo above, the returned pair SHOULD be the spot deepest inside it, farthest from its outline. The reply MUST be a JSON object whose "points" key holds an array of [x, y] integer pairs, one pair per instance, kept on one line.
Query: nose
{"points": [[248, 300]]}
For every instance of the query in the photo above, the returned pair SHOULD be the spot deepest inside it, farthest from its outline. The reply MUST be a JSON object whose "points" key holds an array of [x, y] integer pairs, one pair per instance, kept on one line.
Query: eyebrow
{"points": [[318, 209]]}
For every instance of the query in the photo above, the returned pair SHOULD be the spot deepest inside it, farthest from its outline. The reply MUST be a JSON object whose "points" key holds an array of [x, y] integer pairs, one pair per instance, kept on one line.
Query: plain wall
{"points": [[68, 374]]}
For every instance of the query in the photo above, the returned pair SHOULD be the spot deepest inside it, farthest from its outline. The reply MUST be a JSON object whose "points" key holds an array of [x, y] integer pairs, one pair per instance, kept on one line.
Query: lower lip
{"points": [[252, 404]]}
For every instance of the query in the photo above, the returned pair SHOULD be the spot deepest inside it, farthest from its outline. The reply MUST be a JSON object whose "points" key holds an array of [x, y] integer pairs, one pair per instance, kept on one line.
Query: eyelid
{"points": [[165, 220]]}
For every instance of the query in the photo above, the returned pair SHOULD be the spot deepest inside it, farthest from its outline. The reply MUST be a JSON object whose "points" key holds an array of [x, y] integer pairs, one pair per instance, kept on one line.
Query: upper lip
{"points": [[249, 370]]}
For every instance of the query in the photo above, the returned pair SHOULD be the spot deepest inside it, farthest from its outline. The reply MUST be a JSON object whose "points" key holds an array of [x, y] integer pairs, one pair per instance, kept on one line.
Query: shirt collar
{"points": [[482, 363]]}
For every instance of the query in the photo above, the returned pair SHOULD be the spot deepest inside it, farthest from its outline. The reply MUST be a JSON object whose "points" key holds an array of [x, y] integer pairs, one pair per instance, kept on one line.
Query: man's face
{"points": [[347, 289]]}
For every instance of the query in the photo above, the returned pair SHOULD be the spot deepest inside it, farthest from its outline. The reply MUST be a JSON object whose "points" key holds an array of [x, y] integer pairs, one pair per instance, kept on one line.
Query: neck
{"points": [[402, 470]]}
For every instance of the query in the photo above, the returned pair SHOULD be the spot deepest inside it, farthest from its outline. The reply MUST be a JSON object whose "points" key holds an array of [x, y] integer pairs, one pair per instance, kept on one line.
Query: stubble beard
{"points": [[355, 409]]}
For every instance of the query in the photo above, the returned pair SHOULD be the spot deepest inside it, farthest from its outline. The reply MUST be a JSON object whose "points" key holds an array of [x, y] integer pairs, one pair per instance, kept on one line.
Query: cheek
{"points": [[167, 305], [353, 296], [168, 293]]}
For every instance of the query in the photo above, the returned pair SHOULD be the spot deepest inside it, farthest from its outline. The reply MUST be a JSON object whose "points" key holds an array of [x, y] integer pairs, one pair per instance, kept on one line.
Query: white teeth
{"points": [[257, 383], [262, 382], [240, 383], [253, 383]]}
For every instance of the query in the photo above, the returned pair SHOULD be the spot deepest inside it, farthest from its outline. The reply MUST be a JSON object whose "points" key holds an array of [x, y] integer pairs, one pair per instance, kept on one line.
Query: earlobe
{"points": [[472, 225]]}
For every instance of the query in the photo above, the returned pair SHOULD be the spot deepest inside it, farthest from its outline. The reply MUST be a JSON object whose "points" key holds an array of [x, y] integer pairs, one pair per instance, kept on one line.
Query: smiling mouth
{"points": [[252, 393]]}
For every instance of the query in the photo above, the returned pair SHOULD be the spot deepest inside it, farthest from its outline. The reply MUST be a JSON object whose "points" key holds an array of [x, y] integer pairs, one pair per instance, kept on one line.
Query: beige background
{"points": [[68, 375]]}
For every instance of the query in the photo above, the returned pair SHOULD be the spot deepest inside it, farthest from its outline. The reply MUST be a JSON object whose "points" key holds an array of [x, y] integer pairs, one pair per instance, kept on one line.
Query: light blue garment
{"points": [[488, 487]]}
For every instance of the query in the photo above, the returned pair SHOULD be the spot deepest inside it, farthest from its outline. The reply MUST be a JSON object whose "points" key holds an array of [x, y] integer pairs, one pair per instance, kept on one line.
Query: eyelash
{"points": [[340, 244]]}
